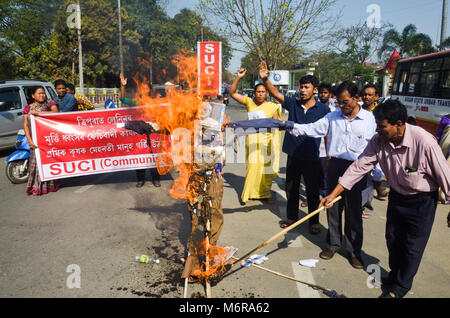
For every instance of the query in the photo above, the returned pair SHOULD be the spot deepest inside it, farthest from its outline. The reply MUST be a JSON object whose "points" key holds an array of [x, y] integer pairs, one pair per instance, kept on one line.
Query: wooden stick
{"points": [[294, 225], [288, 277], [207, 283], [186, 283]]}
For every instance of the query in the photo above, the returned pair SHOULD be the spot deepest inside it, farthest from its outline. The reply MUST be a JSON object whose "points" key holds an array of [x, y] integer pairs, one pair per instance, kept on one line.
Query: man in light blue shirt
{"points": [[67, 102], [349, 130]]}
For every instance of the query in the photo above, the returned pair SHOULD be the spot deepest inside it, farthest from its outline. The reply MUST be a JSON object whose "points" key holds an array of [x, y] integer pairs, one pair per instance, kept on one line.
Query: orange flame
{"points": [[179, 109], [214, 262]]}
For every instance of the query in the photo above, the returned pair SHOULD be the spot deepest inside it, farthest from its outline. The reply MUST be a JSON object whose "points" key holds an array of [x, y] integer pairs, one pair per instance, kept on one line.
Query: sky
{"points": [[425, 14]]}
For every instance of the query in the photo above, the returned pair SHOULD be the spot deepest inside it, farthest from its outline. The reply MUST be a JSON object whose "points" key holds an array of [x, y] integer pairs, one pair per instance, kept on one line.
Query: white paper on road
{"points": [[254, 259], [309, 262]]}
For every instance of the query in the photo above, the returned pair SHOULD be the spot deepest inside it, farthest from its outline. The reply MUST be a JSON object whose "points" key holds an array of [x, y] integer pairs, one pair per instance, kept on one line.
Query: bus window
{"points": [[446, 65], [402, 81], [428, 84], [415, 67], [445, 85], [413, 84], [432, 65]]}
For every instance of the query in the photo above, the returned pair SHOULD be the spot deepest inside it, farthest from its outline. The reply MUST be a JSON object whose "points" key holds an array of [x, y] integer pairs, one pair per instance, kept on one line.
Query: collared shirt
{"points": [[346, 138], [322, 148], [416, 165], [67, 103], [333, 103], [302, 147]]}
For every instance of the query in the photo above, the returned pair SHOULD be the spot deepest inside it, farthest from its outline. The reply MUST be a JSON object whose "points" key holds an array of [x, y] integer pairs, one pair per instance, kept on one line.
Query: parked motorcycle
{"points": [[17, 162]]}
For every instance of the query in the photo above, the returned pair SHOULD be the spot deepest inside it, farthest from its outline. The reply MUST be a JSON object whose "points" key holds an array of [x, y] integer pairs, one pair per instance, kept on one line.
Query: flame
{"points": [[178, 110], [214, 261]]}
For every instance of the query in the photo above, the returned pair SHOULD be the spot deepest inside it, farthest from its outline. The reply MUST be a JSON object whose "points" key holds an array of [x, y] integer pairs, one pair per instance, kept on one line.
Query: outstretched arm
{"points": [[233, 90], [264, 74]]}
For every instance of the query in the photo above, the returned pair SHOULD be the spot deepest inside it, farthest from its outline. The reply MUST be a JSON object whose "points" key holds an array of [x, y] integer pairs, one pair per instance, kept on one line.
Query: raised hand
{"points": [[241, 73], [123, 80], [263, 71]]}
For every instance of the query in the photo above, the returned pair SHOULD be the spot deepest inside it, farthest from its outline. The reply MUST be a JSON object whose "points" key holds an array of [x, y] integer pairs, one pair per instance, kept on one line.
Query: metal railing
{"points": [[100, 95]]}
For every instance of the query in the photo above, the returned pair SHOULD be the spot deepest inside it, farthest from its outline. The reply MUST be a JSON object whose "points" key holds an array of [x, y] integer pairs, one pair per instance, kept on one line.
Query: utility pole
{"points": [[80, 49], [120, 39], [444, 21]]}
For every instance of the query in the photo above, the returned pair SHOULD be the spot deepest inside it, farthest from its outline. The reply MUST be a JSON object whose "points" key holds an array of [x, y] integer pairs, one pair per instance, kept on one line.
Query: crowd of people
{"points": [[343, 143]]}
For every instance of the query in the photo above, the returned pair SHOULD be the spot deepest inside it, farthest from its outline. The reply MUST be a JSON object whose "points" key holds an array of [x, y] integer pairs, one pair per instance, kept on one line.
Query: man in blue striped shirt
{"points": [[303, 152], [349, 131]]}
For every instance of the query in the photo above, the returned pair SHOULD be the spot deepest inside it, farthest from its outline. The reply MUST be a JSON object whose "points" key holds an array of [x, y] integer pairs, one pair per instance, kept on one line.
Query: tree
{"points": [[444, 45], [331, 66], [190, 25], [251, 62], [23, 24], [268, 28], [408, 43], [358, 41]]}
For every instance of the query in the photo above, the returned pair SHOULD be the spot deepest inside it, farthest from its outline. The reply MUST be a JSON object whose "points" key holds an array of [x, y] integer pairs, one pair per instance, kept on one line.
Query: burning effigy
{"points": [[196, 152]]}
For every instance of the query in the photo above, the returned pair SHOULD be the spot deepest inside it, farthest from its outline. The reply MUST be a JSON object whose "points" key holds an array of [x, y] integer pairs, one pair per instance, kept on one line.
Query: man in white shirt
{"points": [[325, 98], [349, 131]]}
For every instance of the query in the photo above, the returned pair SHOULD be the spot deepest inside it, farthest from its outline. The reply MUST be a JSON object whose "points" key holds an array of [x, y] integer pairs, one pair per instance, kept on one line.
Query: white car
{"points": [[14, 97]]}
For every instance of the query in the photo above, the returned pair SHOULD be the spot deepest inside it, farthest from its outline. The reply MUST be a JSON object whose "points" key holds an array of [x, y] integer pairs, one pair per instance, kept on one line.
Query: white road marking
{"points": [[294, 240], [304, 274]]}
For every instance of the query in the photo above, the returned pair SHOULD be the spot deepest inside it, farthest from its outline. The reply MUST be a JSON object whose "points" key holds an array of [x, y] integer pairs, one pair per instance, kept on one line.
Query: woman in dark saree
{"points": [[40, 106]]}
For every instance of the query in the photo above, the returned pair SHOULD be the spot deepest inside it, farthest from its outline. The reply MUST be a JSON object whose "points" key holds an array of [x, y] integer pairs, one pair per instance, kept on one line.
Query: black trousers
{"points": [[408, 228], [311, 171], [140, 174], [352, 239]]}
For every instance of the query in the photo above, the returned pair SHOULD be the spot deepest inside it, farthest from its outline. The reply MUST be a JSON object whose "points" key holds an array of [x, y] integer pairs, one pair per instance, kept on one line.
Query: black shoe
{"points": [[356, 262], [327, 254], [369, 206], [156, 183], [140, 184]]}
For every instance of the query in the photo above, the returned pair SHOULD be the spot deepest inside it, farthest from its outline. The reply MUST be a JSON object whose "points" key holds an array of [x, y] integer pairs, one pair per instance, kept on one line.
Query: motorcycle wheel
{"points": [[14, 173]]}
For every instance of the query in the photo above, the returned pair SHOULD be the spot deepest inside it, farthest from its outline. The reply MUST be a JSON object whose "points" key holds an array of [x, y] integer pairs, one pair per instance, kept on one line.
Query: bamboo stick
{"points": [[294, 225], [288, 277], [207, 283]]}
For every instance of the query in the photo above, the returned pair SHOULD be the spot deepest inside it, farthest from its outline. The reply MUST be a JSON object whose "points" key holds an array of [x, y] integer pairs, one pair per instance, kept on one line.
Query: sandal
{"points": [[269, 201], [285, 223]]}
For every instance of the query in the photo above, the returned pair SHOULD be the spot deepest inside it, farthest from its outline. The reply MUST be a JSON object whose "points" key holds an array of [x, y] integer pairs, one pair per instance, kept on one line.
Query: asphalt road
{"points": [[95, 225]]}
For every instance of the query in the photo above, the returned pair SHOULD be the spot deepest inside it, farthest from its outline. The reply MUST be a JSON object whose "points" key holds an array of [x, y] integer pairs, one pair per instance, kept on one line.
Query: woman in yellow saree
{"points": [[262, 149]]}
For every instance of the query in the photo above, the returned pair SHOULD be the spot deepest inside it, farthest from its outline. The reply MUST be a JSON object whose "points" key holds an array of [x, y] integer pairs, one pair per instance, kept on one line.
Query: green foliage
{"points": [[35, 40], [408, 43], [445, 45], [251, 62]]}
